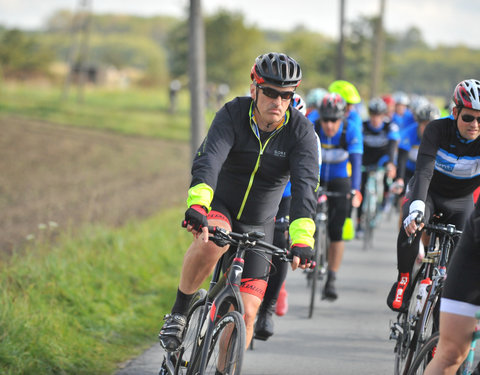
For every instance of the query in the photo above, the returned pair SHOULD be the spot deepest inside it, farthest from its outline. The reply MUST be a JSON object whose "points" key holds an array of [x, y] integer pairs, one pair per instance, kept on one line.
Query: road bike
{"points": [[372, 203], [427, 352], [420, 320], [322, 242], [215, 337]]}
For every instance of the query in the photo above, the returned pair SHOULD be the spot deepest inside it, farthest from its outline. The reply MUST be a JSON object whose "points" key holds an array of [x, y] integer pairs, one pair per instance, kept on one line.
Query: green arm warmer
{"points": [[200, 194], [302, 231]]}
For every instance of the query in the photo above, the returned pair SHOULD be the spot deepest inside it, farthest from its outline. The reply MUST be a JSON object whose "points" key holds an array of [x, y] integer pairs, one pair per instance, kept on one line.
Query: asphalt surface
{"points": [[348, 336]]}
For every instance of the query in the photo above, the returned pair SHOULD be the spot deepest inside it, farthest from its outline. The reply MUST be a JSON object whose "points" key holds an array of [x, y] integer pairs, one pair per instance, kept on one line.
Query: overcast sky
{"points": [[444, 22]]}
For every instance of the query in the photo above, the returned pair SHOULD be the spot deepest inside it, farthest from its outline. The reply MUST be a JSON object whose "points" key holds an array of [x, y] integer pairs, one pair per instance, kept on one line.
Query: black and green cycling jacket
{"points": [[249, 175]]}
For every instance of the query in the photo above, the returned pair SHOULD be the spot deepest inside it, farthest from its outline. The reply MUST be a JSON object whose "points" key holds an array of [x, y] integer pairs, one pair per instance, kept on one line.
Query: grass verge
{"points": [[91, 300]]}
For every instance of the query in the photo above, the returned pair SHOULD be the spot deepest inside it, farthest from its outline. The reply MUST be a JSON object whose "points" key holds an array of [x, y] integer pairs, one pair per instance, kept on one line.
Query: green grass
{"points": [[136, 111], [91, 300]]}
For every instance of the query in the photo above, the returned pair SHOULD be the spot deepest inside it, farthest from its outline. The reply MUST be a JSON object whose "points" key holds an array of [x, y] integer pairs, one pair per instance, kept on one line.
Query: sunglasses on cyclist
{"points": [[329, 119], [469, 118], [274, 94]]}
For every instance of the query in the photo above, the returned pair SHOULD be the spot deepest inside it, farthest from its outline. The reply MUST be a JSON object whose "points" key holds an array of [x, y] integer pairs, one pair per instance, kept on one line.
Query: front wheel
{"points": [[320, 257], [424, 355], [226, 349]]}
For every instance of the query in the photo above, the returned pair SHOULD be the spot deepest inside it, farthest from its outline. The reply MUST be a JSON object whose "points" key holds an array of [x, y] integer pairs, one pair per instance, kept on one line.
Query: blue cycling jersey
{"points": [[336, 151], [410, 142], [405, 120]]}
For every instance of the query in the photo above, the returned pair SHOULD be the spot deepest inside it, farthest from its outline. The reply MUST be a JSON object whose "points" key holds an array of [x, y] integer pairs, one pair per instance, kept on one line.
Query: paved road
{"points": [[348, 336]]}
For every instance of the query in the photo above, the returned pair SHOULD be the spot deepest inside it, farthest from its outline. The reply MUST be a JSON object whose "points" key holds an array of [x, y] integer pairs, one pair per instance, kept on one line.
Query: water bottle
{"points": [[422, 294]]}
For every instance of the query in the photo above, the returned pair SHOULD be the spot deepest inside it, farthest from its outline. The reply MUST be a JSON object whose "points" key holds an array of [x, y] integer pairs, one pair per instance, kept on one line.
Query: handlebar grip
{"points": [[418, 221]]}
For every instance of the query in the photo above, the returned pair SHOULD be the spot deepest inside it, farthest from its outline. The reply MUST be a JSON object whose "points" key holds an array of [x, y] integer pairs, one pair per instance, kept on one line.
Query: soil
{"points": [[54, 176]]}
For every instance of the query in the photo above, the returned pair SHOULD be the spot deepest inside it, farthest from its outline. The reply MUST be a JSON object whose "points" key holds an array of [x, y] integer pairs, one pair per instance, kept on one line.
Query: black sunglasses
{"points": [[329, 119], [274, 94], [470, 118]]}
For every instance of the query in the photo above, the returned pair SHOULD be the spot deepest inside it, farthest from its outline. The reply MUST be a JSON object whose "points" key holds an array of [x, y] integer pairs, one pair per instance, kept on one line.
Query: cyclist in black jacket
{"points": [[446, 174], [253, 147]]}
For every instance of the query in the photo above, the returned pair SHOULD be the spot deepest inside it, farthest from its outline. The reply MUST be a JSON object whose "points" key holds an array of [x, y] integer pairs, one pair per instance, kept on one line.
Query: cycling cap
{"points": [[299, 103], [315, 96], [401, 98], [426, 112], [347, 90], [277, 69], [333, 106], [377, 106], [467, 94]]}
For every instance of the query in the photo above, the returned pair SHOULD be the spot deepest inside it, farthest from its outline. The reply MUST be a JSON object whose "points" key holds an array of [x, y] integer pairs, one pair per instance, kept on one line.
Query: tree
{"points": [[22, 55]]}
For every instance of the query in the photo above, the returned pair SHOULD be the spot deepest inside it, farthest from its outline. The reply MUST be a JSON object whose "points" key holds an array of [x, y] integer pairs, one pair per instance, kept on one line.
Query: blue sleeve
{"points": [[394, 132], [356, 162], [288, 190], [354, 138]]}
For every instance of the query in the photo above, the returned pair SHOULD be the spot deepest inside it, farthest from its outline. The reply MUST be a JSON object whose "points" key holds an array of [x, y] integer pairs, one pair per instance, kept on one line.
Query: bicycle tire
{"points": [[369, 217], [402, 346], [424, 355], [229, 332], [320, 257]]}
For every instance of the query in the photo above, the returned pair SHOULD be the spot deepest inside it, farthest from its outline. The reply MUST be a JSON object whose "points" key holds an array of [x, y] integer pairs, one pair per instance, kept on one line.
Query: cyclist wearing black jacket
{"points": [[446, 174], [253, 147]]}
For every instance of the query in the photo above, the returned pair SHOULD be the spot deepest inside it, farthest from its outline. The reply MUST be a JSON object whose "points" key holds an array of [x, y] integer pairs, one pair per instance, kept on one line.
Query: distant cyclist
{"points": [[254, 146], [350, 94], [402, 116], [380, 140], [342, 145], [313, 99], [447, 172]]}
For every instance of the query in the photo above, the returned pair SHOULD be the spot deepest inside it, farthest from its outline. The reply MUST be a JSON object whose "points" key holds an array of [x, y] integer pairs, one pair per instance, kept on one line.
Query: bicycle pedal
{"points": [[261, 337]]}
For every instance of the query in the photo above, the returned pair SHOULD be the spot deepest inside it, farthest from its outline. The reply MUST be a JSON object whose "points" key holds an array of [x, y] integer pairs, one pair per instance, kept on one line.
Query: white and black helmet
{"points": [[467, 94]]}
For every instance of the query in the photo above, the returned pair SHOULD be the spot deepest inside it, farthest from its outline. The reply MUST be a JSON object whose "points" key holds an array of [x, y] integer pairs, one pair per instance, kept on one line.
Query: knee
{"points": [[450, 354], [250, 313]]}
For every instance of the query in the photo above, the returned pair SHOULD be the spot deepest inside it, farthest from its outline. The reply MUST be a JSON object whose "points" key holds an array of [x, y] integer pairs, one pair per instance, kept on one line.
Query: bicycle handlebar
{"points": [[449, 229]]}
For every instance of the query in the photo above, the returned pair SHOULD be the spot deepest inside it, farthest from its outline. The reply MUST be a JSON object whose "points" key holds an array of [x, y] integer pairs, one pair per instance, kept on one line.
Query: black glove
{"points": [[304, 252], [196, 216]]}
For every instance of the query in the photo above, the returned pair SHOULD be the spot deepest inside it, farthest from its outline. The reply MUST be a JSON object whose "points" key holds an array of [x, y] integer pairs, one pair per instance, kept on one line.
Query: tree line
{"points": [[158, 47]]}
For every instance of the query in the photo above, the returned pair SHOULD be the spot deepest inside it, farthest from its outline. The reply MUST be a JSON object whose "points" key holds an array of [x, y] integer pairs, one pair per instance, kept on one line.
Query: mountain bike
{"points": [[420, 320], [215, 336], [427, 352], [372, 202], [322, 242]]}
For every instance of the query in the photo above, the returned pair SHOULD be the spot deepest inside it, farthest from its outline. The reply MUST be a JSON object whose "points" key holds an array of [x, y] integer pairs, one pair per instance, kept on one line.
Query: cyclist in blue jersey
{"points": [[254, 146], [410, 138], [402, 116], [350, 94], [342, 144], [380, 140], [313, 99], [447, 172]]}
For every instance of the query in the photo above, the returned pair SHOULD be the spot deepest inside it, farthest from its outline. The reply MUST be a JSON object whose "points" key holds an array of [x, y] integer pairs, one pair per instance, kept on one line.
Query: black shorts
{"points": [[257, 264], [463, 276], [338, 208]]}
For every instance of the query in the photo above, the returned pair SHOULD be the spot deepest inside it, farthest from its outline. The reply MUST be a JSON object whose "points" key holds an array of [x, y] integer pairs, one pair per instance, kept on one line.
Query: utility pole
{"points": [[341, 43], [78, 55], [378, 49], [197, 75]]}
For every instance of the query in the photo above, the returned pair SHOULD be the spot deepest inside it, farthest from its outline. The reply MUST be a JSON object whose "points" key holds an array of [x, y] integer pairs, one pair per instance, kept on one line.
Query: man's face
{"points": [[376, 119], [271, 108], [467, 122], [330, 126]]}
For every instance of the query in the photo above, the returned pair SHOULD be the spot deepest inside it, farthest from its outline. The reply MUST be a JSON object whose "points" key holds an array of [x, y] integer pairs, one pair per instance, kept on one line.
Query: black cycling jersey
{"points": [[249, 175], [378, 144], [447, 164]]}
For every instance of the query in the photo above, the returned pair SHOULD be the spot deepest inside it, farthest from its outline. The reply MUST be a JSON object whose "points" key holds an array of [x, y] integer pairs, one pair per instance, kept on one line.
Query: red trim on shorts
{"points": [[218, 216], [255, 287]]}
